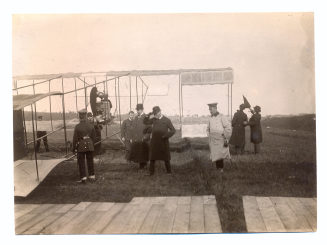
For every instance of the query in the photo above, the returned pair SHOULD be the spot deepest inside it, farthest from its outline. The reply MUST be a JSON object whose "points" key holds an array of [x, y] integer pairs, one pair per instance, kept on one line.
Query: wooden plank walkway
{"points": [[280, 214], [145, 215]]}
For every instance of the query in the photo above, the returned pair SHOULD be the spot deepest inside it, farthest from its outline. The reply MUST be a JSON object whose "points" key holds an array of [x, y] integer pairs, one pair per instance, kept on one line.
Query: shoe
{"points": [[91, 178], [82, 181]]}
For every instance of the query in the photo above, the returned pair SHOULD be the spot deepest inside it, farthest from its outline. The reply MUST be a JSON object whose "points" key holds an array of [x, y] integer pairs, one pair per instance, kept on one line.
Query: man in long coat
{"points": [[239, 123], [162, 130], [256, 130], [140, 147], [219, 132], [127, 133], [83, 144]]}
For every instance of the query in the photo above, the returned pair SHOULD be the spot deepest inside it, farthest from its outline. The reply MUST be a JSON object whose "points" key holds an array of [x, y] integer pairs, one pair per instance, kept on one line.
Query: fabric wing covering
{"points": [[224, 76], [22, 100]]}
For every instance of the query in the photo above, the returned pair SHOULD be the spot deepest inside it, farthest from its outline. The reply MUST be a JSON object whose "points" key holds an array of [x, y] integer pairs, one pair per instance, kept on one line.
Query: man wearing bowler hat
{"points": [[162, 130], [83, 144], [219, 132], [140, 147]]}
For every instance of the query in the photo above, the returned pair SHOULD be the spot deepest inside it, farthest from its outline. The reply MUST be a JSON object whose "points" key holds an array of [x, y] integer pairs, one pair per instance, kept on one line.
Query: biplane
{"points": [[94, 91]]}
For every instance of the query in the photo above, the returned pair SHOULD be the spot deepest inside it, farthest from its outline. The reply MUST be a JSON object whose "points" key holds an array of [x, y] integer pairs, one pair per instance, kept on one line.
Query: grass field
{"points": [[286, 167]]}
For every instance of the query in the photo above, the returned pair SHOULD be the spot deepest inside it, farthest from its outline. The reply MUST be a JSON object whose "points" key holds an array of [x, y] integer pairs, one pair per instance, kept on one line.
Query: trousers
{"points": [[256, 148], [45, 140], [167, 165], [220, 164], [81, 163]]}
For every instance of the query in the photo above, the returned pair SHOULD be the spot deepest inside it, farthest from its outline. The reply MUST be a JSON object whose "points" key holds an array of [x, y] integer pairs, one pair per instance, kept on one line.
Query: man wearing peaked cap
{"points": [[213, 105], [83, 145], [219, 131]]}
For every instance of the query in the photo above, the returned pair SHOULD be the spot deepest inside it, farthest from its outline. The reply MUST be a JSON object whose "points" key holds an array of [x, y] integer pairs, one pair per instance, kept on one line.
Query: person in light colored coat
{"points": [[219, 131]]}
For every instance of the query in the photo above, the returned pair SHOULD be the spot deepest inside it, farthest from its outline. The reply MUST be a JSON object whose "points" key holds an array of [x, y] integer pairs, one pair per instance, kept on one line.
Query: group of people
{"points": [[239, 122], [146, 138]]}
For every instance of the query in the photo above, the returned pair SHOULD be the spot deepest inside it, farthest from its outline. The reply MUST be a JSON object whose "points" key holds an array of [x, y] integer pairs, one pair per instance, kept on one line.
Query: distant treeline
{"points": [[55, 115], [305, 122]]}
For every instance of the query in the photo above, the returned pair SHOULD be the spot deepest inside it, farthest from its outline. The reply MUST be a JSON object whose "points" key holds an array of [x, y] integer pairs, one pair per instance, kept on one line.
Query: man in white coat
{"points": [[219, 131]]}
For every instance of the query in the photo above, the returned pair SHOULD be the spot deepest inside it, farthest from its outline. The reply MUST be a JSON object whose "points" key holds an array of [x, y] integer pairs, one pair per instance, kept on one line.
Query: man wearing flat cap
{"points": [[140, 147], [256, 130], [83, 145], [162, 130], [219, 132], [239, 122]]}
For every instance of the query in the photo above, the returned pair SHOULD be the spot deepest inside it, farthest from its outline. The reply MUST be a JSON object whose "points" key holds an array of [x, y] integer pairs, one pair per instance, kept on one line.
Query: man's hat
{"points": [[257, 108], [212, 105], [139, 107], [83, 111], [155, 110], [242, 106]]}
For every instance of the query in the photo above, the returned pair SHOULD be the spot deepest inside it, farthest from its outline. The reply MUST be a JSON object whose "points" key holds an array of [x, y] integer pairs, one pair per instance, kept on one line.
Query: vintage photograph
{"points": [[176, 123]]}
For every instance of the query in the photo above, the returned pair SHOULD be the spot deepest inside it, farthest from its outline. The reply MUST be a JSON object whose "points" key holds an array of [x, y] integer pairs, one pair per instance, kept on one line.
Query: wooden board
{"points": [[196, 215], [252, 214], [279, 214], [291, 221], [167, 216], [182, 217], [147, 215], [103, 218]]}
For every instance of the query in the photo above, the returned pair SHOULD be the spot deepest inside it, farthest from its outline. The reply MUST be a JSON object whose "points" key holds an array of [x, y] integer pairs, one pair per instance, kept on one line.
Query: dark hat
{"points": [[139, 107], [257, 108], [242, 106], [83, 111], [155, 110], [212, 105]]}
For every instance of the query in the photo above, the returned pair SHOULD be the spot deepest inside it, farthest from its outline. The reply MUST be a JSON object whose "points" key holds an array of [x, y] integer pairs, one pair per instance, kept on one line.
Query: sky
{"points": [[272, 55]]}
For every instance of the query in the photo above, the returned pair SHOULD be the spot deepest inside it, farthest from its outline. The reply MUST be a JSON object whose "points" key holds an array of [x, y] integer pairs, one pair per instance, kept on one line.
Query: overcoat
{"points": [[162, 130], [219, 129], [238, 132], [127, 133], [140, 147], [256, 130], [127, 129]]}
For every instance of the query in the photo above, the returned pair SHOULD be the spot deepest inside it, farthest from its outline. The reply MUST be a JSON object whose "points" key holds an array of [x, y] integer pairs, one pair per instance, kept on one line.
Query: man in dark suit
{"points": [[83, 144], [162, 130], [256, 130], [239, 122], [140, 147], [126, 134]]}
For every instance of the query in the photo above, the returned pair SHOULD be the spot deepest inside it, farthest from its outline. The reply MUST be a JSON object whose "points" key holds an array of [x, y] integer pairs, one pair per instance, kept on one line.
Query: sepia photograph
{"points": [[164, 123]]}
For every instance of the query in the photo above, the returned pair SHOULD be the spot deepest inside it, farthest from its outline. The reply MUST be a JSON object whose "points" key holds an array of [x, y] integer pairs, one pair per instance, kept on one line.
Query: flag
{"points": [[246, 103]]}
